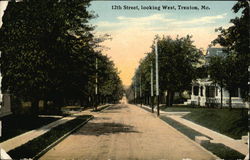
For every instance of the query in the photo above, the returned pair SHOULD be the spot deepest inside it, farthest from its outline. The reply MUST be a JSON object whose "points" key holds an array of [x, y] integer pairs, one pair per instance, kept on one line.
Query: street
{"points": [[126, 131]]}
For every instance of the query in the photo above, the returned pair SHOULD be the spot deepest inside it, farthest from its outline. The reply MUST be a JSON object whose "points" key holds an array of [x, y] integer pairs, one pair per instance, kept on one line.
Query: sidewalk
{"points": [[237, 145], [25, 137]]}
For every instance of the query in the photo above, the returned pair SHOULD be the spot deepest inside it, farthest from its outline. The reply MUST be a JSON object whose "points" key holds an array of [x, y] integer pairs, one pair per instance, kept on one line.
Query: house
{"points": [[206, 93], [5, 107], [4, 99]]}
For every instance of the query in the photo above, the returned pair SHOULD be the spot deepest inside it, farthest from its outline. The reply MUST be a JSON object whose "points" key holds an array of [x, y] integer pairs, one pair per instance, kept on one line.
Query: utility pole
{"points": [[96, 83], [152, 87], [157, 77], [140, 89], [135, 91]]}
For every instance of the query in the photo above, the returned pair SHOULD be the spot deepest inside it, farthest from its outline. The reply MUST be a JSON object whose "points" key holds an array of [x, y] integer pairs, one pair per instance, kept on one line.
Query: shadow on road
{"points": [[117, 107], [97, 129], [102, 118]]}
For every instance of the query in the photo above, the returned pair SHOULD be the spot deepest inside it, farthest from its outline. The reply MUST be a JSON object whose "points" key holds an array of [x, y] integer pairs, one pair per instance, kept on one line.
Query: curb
{"points": [[61, 139], [103, 108], [110, 105]]}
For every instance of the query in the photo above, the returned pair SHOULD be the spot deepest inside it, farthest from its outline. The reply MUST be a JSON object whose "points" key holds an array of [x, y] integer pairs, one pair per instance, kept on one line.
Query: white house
{"points": [[206, 93], [4, 99], [5, 107]]}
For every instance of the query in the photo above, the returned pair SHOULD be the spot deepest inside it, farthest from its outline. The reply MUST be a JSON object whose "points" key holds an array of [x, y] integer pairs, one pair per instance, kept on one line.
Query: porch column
{"points": [[239, 95], [204, 91], [215, 90], [192, 93], [199, 90]]}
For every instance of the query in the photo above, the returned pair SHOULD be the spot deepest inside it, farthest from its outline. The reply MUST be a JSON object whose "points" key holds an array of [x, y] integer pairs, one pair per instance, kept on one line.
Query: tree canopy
{"points": [[177, 64], [49, 51], [235, 40]]}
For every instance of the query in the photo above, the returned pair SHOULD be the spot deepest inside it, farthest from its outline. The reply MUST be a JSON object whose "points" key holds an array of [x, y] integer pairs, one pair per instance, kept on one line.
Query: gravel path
{"points": [[126, 131]]}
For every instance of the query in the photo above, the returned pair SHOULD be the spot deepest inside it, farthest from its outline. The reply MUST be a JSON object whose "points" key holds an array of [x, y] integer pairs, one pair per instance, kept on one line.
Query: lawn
{"points": [[233, 123], [218, 149], [14, 125]]}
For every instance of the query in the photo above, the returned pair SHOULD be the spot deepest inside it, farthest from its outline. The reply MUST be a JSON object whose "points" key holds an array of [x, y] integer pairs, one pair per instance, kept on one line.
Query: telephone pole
{"points": [[140, 89], [157, 77], [152, 87], [96, 83], [135, 91]]}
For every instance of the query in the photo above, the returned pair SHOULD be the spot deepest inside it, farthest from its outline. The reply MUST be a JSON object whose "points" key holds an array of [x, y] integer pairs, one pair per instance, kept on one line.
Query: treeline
{"points": [[232, 71], [49, 53], [180, 63], [178, 60]]}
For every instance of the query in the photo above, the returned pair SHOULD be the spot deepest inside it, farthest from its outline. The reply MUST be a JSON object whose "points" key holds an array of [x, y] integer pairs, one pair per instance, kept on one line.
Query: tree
{"points": [[110, 85], [47, 50], [177, 65], [217, 72], [235, 40]]}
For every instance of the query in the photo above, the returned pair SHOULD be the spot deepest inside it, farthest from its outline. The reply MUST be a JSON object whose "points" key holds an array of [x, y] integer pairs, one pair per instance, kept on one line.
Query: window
{"points": [[201, 90]]}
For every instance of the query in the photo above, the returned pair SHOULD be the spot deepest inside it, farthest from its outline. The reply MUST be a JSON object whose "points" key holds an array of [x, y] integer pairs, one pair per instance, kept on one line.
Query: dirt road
{"points": [[123, 132]]}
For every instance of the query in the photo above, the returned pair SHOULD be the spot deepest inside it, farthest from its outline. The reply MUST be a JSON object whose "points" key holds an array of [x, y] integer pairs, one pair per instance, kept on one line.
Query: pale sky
{"points": [[132, 31], [3, 5]]}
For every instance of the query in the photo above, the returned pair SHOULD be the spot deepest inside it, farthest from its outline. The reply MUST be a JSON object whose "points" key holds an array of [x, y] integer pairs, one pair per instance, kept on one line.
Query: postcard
{"points": [[123, 79]]}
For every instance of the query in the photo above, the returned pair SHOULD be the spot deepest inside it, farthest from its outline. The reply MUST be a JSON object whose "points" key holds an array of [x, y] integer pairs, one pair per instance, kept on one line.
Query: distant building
{"points": [[206, 93]]}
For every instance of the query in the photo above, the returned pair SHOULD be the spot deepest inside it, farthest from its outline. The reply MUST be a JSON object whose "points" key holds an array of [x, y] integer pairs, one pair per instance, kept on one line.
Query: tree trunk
{"points": [[45, 105], [169, 98], [230, 99], [35, 107], [172, 98], [148, 100], [166, 100], [58, 102]]}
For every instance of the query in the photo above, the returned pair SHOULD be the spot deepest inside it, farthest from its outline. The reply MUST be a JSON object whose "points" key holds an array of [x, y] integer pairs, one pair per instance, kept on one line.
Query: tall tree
{"points": [[177, 65], [177, 60], [44, 45], [217, 72], [236, 40]]}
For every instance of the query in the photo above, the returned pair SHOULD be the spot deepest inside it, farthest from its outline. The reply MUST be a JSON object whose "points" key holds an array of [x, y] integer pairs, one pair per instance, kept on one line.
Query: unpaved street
{"points": [[123, 132]]}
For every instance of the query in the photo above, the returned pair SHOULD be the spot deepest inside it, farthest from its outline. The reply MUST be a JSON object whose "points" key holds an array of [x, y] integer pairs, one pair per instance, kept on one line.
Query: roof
{"points": [[215, 52]]}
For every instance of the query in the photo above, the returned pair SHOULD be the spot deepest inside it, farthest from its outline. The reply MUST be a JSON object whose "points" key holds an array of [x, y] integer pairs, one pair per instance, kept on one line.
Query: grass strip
{"points": [[218, 149], [233, 123], [35, 146], [101, 108], [14, 125]]}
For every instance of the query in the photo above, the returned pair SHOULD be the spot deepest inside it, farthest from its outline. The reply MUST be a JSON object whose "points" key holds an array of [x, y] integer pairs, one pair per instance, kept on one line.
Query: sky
{"points": [[3, 5], [133, 31]]}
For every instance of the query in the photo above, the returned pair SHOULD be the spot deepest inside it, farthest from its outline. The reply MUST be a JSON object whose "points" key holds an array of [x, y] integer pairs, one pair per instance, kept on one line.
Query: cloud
{"points": [[132, 36], [131, 22], [148, 19], [201, 20], [158, 22]]}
